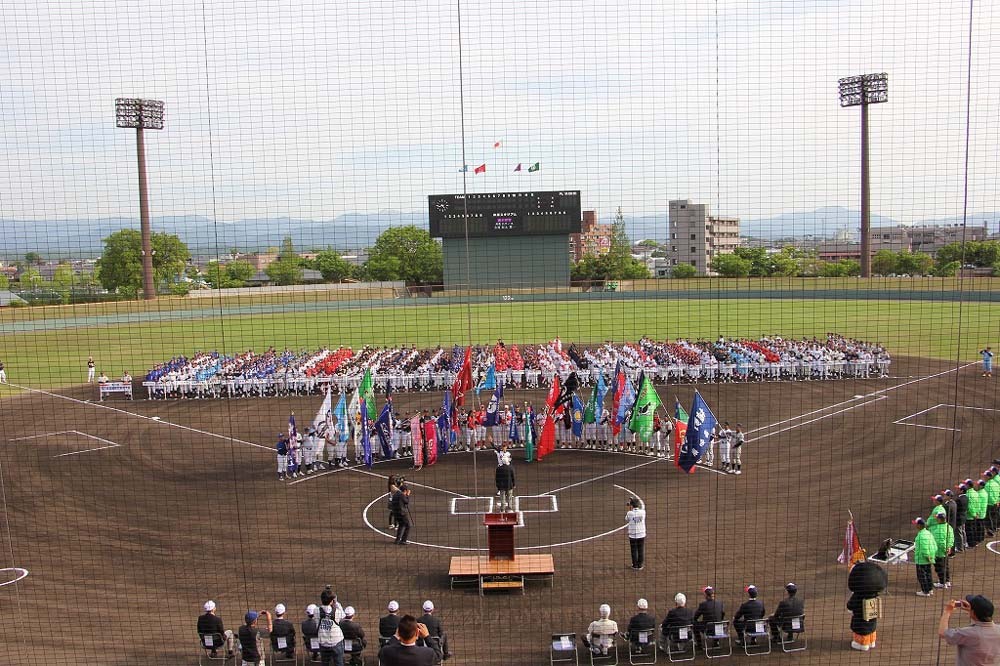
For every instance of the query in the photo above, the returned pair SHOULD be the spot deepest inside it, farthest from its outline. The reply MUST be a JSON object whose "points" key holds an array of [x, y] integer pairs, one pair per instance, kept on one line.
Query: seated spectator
{"points": [[102, 378], [435, 628], [405, 651], [678, 616], [387, 624], [643, 620], [708, 611], [211, 624], [310, 630], [355, 633], [979, 642], [251, 650], [789, 607], [751, 609], [601, 632], [283, 629]]}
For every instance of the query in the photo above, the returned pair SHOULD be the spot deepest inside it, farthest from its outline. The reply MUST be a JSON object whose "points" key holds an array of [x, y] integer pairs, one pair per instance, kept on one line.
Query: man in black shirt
{"points": [[310, 630], [751, 609], [961, 511], [283, 629], [678, 616], [405, 651], [708, 611], [354, 633], [249, 635], [210, 624], [387, 624], [401, 514], [435, 628], [641, 621], [789, 607]]}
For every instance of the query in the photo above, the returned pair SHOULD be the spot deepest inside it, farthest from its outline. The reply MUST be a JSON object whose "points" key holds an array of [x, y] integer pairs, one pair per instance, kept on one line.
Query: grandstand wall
{"points": [[507, 262]]}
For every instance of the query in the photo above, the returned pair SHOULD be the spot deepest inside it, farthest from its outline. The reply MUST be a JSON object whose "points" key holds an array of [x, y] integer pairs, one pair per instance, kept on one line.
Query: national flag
{"points": [[534, 167], [646, 405], [463, 381], [567, 391], [341, 413], [366, 441], [577, 416], [323, 410], [529, 435], [680, 429], [518, 167], [444, 424], [383, 426], [417, 438], [493, 407], [596, 403], [701, 425], [430, 441], [489, 381], [852, 552], [496, 145], [481, 169]]}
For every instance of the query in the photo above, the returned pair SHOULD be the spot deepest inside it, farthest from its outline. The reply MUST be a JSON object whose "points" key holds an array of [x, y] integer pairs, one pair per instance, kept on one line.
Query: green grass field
{"points": [[915, 328]]}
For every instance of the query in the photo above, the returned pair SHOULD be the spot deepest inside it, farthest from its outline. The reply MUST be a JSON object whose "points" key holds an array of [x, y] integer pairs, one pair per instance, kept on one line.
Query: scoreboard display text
{"points": [[504, 214]]}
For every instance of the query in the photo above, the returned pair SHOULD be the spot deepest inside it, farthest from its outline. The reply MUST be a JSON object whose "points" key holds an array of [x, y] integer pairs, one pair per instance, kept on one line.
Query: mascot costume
{"points": [[865, 582]]}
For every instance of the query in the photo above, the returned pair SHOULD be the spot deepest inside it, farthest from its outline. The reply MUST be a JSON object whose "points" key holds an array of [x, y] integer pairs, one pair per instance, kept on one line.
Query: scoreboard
{"points": [[504, 214]]}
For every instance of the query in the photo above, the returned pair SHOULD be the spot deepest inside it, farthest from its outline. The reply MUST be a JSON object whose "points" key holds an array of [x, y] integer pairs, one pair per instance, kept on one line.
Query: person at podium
{"points": [[506, 483]]}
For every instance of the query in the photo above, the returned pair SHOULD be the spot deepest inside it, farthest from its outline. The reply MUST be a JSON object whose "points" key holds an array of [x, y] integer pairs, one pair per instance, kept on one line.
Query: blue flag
{"points": [[293, 461], [515, 432], [383, 426], [490, 381], [340, 411], [493, 407], [444, 425], [701, 424], [577, 416], [366, 442], [627, 402]]}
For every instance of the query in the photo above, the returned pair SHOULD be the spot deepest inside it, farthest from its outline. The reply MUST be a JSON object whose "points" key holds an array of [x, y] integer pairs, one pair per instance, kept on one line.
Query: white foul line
{"points": [[603, 476], [642, 505], [99, 448]]}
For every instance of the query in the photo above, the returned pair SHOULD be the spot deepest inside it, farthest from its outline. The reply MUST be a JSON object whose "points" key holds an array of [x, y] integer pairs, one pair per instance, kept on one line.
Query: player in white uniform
{"points": [[725, 435], [309, 451], [91, 370], [737, 454]]}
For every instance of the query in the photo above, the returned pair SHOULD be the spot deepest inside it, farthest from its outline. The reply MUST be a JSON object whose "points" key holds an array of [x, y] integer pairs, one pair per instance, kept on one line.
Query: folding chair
{"points": [[716, 640], [210, 642], [260, 649], [679, 644], [310, 646], [791, 634], [382, 642], [607, 650], [279, 644], [756, 638], [352, 653], [642, 647], [562, 649]]}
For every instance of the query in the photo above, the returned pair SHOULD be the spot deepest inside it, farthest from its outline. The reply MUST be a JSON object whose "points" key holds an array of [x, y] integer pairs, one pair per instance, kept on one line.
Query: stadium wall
{"points": [[507, 262]]}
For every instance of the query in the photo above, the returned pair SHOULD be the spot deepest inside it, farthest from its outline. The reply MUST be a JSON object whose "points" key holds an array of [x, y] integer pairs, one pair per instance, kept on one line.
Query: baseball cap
{"points": [[948, 493], [349, 611], [938, 498], [311, 609], [791, 587], [707, 589], [968, 482], [393, 606], [642, 603], [209, 606], [250, 617], [941, 517], [279, 609], [918, 521], [751, 590], [981, 606], [963, 486], [680, 599], [604, 610], [428, 606]]}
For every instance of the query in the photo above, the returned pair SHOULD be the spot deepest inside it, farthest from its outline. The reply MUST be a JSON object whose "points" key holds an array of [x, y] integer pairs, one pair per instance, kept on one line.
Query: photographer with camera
{"points": [[251, 650], [978, 643]]}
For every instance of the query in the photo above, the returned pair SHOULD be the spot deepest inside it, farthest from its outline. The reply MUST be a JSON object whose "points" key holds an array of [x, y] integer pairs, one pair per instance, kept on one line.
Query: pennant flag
{"points": [[518, 167], [680, 429], [646, 405], [418, 441], [324, 409], [496, 145], [625, 404], [493, 408], [341, 413], [534, 167], [529, 435], [596, 403], [489, 381], [515, 432], [852, 552], [464, 169], [701, 425], [383, 426], [366, 441], [577, 416], [444, 424], [430, 440], [463, 381], [567, 391], [481, 169]]}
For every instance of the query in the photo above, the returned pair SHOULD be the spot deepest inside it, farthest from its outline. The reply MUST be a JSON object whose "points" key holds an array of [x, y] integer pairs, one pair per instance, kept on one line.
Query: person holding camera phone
{"points": [[978, 643], [251, 652]]}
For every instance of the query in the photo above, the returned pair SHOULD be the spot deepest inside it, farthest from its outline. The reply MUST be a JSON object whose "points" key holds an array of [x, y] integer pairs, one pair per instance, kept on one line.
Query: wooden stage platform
{"points": [[506, 575]]}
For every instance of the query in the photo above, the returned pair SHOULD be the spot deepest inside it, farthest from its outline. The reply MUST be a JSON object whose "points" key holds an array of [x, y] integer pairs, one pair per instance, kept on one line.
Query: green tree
{"points": [[784, 264], [842, 268], [120, 265], [760, 262], [63, 280], [333, 267], [914, 263], [4, 282], [950, 269], [287, 250], [648, 242], [683, 271], [885, 262], [405, 253], [285, 271], [731, 265], [215, 275], [621, 265], [32, 258], [30, 278], [238, 272]]}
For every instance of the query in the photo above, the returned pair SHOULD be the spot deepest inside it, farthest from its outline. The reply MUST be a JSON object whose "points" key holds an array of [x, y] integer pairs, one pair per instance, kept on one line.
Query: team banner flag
{"points": [[646, 405], [489, 381], [417, 438], [592, 413], [515, 432], [444, 425], [534, 167], [463, 382], [366, 440], [482, 169], [701, 425], [430, 440], [518, 167], [323, 410], [680, 429], [577, 416], [566, 391], [383, 426], [852, 552], [493, 407], [341, 413], [625, 403], [547, 442], [529, 435], [616, 397], [366, 390]]}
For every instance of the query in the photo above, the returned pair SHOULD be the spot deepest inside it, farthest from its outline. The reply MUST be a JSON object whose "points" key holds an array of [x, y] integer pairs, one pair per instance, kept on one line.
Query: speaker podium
{"points": [[500, 535], [501, 569]]}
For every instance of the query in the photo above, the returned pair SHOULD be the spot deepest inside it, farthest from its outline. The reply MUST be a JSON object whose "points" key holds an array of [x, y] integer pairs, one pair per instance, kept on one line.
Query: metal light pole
{"points": [[142, 114], [861, 91]]}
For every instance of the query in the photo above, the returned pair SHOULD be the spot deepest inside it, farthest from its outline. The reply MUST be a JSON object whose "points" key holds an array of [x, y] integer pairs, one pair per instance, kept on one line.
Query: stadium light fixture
{"points": [[142, 114], [861, 91]]}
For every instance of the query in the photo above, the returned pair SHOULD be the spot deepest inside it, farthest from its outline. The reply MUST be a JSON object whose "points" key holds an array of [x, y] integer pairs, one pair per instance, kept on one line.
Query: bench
{"points": [[515, 583]]}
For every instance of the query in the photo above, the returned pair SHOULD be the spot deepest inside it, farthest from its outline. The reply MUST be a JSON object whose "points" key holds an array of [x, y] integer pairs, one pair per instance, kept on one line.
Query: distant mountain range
{"points": [[82, 238]]}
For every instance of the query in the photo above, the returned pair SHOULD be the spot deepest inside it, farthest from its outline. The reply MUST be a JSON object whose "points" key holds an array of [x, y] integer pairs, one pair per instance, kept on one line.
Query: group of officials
{"points": [[682, 625]]}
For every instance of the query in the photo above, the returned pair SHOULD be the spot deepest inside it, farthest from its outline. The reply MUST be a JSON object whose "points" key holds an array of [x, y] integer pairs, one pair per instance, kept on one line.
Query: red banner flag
{"points": [[463, 381], [481, 168], [430, 436], [680, 432], [417, 441], [547, 442]]}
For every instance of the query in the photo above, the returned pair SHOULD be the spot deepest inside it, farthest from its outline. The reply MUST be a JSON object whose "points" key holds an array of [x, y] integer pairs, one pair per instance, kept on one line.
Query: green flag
{"points": [[535, 167], [590, 413], [646, 405], [366, 390]]}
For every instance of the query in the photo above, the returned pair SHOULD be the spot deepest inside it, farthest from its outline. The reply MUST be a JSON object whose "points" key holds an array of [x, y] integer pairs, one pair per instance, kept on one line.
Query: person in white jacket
{"points": [[636, 520]]}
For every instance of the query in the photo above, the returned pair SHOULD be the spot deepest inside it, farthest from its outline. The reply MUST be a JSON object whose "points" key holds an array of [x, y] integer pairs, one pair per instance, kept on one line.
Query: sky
{"points": [[315, 108]]}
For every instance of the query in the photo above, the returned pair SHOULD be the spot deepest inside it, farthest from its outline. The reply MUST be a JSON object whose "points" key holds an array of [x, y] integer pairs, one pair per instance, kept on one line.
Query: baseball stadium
{"points": [[389, 359]]}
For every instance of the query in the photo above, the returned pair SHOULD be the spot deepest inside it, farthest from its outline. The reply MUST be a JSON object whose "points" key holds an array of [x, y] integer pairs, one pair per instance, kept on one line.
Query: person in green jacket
{"points": [[973, 527], [937, 508], [993, 499], [984, 503], [925, 550], [944, 535]]}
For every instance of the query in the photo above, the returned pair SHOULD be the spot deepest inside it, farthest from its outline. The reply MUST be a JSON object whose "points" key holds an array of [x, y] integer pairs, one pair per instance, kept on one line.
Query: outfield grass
{"points": [[914, 328]]}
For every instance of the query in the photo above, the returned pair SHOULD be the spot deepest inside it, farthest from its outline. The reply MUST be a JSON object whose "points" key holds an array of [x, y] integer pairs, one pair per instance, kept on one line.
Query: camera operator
{"points": [[978, 643]]}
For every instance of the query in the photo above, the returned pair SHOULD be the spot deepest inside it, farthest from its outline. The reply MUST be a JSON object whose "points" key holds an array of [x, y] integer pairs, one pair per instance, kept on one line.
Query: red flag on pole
{"points": [[852, 552], [481, 168], [547, 442], [680, 432], [463, 381]]}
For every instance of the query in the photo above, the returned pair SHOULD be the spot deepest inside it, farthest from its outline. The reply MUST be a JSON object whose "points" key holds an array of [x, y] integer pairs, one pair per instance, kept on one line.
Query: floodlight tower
{"points": [[142, 114], [861, 91]]}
